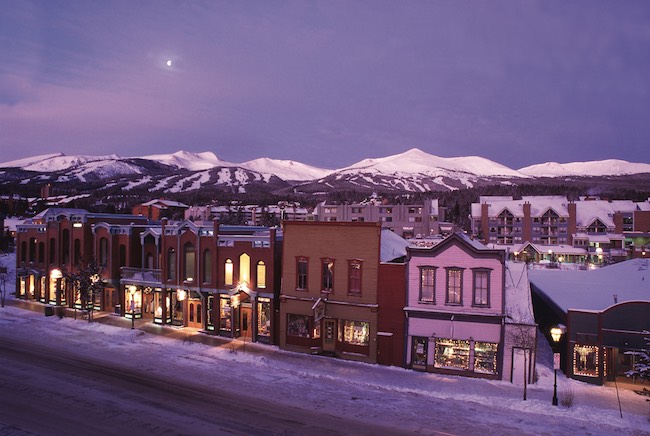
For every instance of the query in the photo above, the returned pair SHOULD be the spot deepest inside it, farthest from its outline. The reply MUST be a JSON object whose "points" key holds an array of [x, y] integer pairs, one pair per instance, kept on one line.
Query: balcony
{"points": [[141, 276]]}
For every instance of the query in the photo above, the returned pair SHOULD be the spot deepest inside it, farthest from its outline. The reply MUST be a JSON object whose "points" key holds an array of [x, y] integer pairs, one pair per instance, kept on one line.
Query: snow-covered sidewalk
{"points": [[401, 398]]}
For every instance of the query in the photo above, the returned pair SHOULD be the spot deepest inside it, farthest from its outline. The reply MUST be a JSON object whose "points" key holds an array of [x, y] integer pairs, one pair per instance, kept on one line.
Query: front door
{"points": [[246, 322], [329, 335], [147, 306], [194, 314]]}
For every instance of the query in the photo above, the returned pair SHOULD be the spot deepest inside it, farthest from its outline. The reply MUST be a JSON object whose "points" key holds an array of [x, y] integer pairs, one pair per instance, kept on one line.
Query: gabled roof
{"points": [[165, 203], [458, 238], [393, 246]]}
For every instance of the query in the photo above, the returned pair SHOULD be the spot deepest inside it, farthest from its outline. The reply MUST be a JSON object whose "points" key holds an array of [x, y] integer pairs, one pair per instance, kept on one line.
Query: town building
{"points": [[59, 241], [223, 280], [158, 209], [459, 319], [253, 215], [606, 313], [330, 295], [419, 220]]}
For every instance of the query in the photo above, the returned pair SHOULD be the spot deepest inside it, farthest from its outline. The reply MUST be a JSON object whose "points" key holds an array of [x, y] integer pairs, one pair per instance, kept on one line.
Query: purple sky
{"points": [[327, 83]]}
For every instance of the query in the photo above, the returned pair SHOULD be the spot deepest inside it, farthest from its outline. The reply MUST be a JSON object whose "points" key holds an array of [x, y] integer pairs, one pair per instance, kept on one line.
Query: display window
{"points": [[210, 313], [452, 353], [485, 357], [264, 319], [585, 360], [225, 314], [298, 325], [355, 332]]}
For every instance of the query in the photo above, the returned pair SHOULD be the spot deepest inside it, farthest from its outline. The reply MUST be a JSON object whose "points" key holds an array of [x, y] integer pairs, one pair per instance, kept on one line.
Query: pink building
{"points": [[456, 308]]}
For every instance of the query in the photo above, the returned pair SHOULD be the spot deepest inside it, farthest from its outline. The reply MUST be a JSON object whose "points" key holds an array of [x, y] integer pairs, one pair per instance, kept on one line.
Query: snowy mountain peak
{"points": [[189, 160], [608, 167], [286, 169]]}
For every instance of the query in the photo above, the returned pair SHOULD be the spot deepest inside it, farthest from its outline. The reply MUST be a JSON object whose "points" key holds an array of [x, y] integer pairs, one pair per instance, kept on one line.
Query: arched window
{"points": [[77, 251], [149, 261], [228, 273], [189, 262], [65, 247], [261, 274], [122, 255], [245, 268], [23, 251], [52, 250], [41, 252], [103, 251], [171, 264], [207, 267], [32, 249]]}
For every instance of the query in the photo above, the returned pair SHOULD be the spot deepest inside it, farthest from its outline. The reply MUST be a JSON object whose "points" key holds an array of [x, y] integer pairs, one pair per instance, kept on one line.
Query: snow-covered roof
{"points": [[519, 306], [166, 203], [393, 246], [595, 289], [601, 239]]}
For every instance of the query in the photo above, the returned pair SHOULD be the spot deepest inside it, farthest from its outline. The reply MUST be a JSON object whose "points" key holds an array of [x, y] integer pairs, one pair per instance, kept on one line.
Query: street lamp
{"points": [[132, 291], [56, 275], [556, 335]]}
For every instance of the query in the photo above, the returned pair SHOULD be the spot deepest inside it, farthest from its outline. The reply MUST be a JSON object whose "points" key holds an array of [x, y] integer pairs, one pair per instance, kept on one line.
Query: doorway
{"points": [[246, 322], [194, 315], [329, 335]]}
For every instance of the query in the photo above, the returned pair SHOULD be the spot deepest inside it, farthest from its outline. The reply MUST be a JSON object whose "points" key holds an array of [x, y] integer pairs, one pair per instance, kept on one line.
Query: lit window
{"points": [[585, 360], [244, 268], [451, 353], [328, 275], [355, 332], [481, 288], [261, 274], [228, 274], [427, 282], [454, 286]]}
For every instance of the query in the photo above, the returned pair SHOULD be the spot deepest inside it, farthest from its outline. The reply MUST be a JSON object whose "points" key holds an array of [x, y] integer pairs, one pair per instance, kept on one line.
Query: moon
{"points": [[169, 62]]}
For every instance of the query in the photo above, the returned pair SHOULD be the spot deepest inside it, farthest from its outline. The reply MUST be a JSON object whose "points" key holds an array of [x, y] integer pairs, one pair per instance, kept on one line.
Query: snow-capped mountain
{"points": [[183, 171], [286, 169], [189, 160], [609, 167]]}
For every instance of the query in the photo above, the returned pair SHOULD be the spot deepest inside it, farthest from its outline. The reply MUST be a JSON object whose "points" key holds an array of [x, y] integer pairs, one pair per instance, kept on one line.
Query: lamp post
{"points": [[556, 335], [132, 291]]}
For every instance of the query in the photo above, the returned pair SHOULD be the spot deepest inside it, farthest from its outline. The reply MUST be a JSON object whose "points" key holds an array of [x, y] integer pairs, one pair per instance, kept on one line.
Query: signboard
{"points": [[319, 310], [556, 360]]}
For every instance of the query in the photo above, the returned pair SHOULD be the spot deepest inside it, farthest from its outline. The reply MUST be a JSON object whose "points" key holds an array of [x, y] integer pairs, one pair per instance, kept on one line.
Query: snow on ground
{"points": [[412, 401]]}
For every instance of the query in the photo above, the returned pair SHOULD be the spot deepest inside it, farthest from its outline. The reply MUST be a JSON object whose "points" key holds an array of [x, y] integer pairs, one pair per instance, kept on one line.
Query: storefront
{"points": [[449, 355]]}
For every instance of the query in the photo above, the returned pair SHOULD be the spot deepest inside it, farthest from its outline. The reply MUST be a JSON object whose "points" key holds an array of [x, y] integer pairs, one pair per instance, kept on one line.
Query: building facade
{"points": [[407, 220], [329, 301], [455, 308]]}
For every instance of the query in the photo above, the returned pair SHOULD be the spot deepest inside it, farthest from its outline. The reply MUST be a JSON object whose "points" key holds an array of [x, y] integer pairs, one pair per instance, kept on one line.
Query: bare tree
{"points": [[523, 336], [87, 283]]}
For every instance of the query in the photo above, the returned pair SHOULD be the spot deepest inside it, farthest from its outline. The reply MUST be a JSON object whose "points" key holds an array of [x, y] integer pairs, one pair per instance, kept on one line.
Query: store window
{"points": [[485, 357], [451, 353], [427, 284], [454, 286], [228, 273], [210, 313], [481, 290], [585, 360], [302, 265], [355, 332], [225, 314], [264, 319], [354, 278], [419, 351], [298, 325]]}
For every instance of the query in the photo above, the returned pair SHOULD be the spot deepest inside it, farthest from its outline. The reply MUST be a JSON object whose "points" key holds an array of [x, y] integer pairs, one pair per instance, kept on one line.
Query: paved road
{"points": [[49, 391]]}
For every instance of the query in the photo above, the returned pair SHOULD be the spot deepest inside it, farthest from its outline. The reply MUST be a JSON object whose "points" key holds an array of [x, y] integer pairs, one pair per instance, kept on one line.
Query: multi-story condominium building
{"points": [[161, 208], [458, 318], [250, 214], [332, 301], [407, 220], [554, 228]]}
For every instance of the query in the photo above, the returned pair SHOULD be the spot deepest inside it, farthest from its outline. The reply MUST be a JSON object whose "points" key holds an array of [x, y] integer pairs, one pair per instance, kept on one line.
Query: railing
{"points": [[141, 275]]}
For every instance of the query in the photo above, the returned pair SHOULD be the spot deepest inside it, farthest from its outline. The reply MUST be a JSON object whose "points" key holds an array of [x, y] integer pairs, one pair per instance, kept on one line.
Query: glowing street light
{"points": [[556, 335]]}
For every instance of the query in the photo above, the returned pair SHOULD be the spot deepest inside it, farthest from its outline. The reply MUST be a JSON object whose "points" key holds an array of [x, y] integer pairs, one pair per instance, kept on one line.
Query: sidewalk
{"points": [[185, 334]]}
